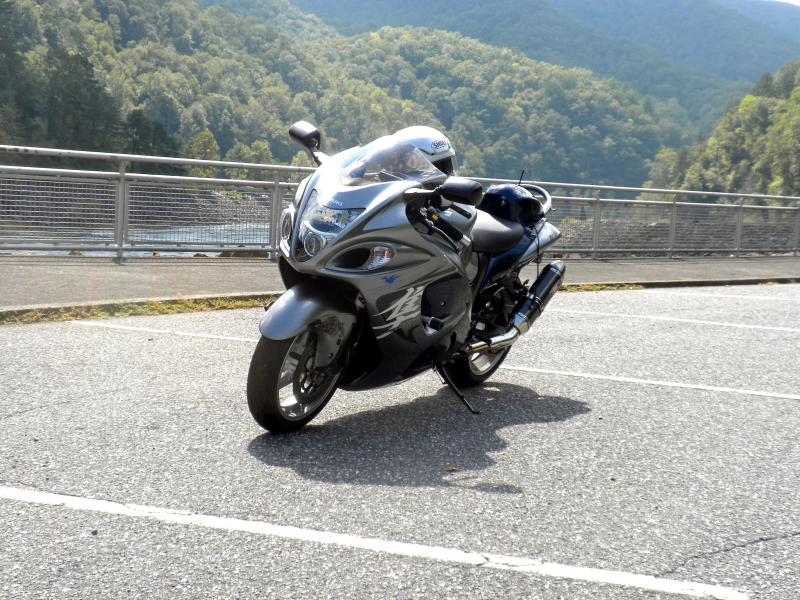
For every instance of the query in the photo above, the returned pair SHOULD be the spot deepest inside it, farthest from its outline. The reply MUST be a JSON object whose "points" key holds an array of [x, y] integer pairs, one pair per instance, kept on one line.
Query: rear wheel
{"points": [[285, 388], [468, 371]]}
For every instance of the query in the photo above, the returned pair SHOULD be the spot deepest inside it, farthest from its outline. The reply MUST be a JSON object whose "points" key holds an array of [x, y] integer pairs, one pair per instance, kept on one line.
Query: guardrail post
{"points": [[739, 227], [797, 232], [274, 217], [673, 226], [598, 208], [121, 221]]}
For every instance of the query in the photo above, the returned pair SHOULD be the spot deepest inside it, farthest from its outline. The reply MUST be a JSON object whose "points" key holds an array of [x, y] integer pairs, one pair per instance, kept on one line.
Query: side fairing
{"points": [[418, 304]]}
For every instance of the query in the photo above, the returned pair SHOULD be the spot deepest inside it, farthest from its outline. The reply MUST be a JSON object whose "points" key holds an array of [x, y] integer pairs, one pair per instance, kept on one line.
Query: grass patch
{"points": [[600, 287], [156, 307]]}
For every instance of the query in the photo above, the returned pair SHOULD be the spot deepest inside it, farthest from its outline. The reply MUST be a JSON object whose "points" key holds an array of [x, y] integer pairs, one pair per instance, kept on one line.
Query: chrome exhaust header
{"points": [[527, 310]]}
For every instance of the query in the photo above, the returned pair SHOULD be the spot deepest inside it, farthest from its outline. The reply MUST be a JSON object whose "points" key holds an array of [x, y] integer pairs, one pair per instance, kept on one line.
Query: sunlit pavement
{"points": [[639, 444]]}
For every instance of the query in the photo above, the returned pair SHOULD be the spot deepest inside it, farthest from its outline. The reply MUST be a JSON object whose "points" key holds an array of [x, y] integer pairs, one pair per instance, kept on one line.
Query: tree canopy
{"points": [[755, 148], [151, 76]]}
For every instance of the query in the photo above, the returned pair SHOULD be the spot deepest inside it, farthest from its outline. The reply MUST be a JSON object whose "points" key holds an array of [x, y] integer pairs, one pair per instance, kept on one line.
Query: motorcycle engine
{"points": [[494, 306]]}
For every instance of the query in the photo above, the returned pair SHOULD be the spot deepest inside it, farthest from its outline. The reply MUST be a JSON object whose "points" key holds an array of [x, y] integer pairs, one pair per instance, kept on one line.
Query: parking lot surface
{"points": [[636, 444]]}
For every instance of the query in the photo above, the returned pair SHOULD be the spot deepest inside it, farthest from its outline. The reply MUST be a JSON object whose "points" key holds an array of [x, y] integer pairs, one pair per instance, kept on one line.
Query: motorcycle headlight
{"points": [[320, 225]]}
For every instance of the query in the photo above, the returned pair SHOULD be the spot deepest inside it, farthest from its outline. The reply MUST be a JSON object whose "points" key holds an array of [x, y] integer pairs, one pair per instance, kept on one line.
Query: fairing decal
{"points": [[401, 310]]}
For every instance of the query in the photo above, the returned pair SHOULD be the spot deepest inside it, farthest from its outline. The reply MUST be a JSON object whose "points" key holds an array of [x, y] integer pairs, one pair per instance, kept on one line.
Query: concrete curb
{"points": [[195, 303], [201, 302]]}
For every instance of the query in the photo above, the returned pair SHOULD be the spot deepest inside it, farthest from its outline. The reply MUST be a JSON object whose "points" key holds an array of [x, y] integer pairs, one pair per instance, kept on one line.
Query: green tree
{"points": [[754, 148], [203, 147], [258, 152], [80, 112]]}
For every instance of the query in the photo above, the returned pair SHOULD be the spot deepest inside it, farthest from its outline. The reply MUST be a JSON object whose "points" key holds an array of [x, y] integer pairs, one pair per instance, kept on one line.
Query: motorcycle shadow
{"points": [[433, 441]]}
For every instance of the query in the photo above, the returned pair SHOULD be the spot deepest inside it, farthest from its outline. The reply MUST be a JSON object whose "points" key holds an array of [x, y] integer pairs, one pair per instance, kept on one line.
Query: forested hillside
{"points": [[508, 113], [543, 32], [147, 75], [755, 147], [700, 33], [192, 71], [699, 52]]}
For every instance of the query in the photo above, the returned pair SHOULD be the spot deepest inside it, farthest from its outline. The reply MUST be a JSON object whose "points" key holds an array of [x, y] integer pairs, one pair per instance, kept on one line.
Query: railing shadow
{"points": [[430, 442]]}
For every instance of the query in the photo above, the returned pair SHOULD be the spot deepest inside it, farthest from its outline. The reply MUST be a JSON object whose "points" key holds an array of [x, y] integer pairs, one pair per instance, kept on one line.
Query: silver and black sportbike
{"points": [[393, 267]]}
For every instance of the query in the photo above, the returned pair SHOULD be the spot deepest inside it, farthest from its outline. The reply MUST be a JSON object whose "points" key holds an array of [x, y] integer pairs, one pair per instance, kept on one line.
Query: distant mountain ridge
{"points": [[705, 34], [629, 40], [780, 16]]}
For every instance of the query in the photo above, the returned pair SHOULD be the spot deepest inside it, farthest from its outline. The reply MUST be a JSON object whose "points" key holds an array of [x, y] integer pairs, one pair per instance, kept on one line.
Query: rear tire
{"points": [[469, 371], [284, 390]]}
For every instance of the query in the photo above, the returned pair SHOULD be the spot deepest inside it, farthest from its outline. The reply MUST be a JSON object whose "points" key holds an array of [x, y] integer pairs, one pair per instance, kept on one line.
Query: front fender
{"points": [[305, 303]]}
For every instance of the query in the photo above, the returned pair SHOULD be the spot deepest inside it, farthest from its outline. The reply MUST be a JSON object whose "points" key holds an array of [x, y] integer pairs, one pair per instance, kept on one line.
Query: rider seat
{"points": [[495, 236]]}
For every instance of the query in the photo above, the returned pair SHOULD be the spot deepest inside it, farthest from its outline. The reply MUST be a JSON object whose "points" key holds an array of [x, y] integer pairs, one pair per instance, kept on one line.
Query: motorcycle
{"points": [[393, 269]]}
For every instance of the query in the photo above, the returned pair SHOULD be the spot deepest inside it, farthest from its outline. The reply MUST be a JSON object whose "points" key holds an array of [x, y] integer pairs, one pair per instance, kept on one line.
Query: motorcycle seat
{"points": [[493, 235]]}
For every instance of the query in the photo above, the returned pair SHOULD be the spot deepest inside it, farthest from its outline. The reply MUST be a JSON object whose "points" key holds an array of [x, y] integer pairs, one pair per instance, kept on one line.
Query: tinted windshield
{"points": [[389, 159]]}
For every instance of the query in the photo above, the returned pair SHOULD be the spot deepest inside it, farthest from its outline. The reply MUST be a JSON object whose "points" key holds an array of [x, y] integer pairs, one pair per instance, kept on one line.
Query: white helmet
{"points": [[434, 144]]}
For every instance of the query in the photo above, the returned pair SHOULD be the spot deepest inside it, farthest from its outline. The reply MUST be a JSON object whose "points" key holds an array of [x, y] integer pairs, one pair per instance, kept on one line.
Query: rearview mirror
{"points": [[305, 134], [309, 137], [461, 190]]}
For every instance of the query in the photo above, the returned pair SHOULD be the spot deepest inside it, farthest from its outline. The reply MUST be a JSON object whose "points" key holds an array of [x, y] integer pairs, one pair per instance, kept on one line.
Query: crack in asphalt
{"points": [[35, 408], [728, 548]]}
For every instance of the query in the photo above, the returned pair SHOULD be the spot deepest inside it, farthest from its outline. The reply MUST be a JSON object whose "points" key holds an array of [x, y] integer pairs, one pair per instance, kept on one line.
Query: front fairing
{"points": [[394, 295]]}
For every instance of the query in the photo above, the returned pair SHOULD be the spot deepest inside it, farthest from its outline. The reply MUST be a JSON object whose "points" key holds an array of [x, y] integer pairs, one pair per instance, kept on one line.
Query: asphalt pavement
{"points": [[636, 444], [28, 281]]}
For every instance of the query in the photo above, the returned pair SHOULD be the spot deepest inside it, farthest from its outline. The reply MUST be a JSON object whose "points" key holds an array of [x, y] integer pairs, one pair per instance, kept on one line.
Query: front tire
{"points": [[284, 388], [469, 371]]}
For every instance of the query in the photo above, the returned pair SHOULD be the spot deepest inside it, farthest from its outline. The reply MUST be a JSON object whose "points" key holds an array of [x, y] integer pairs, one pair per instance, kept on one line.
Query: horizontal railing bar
{"points": [[199, 180], [116, 157], [660, 203], [111, 247], [110, 175], [586, 186], [61, 173], [757, 207]]}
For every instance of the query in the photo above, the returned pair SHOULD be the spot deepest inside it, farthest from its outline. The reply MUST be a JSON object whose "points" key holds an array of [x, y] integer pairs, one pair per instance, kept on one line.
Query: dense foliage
{"points": [[755, 148], [194, 70], [145, 75], [545, 32], [506, 112]]}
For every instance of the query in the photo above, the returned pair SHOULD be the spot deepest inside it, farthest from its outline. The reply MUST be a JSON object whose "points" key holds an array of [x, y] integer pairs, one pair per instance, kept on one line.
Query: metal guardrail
{"points": [[123, 212]]}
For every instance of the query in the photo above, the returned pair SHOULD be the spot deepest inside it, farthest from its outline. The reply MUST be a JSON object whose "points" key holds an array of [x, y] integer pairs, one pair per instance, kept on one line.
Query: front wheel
{"points": [[285, 388], [469, 371]]}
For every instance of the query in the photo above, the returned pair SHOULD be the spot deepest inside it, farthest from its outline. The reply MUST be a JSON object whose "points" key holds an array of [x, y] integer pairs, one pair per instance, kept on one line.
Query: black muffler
{"points": [[527, 310], [540, 293]]}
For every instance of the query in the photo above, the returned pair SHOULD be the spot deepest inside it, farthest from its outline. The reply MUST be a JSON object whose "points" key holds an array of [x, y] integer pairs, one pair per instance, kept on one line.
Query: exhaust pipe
{"points": [[527, 310]]}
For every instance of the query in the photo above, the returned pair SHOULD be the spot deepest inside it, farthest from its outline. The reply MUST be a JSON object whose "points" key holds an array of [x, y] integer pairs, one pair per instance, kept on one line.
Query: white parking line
{"points": [[102, 325], [675, 384], [670, 319], [692, 386], [710, 295], [419, 551]]}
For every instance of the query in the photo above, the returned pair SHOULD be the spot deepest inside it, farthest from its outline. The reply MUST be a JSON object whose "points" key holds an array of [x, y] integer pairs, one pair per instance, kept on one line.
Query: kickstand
{"points": [[445, 377]]}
